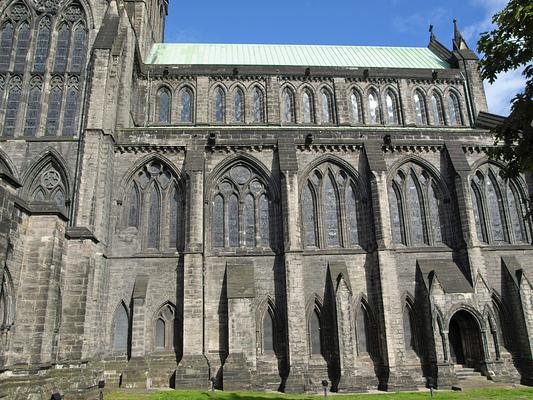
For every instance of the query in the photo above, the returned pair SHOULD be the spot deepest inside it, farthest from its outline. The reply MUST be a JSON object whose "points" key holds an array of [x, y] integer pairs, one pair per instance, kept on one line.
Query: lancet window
{"points": [[454, 110], [241, 209], [33, 110], [163, 105], [436, 109], [420, 108], [49, 186], [418, 208], [7, 301], [219, 105], [258, 113], [54, 107], [238, 105], [288, 111], [365, 332], [391, 108], [186, 104], [315, 333], [356, 107], [120, 329], [333, 208], [373, 107], [12, 105], [152, 194], [165, 328], [308, 106], [498, 207], [327, 106]]}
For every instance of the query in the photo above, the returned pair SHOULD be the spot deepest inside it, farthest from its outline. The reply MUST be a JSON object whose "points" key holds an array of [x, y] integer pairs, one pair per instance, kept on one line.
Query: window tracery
{"points": [[498, 207], [152, 193], [49, 186], [241, 209], [6, 45], [42, 46], [54, 106], [333, 206], [418, 210], [22, 47], [165, 328], [71, 107], [62, 46]]}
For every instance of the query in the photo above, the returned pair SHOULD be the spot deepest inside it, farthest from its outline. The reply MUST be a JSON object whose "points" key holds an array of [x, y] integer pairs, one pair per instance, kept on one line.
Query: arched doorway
{"points": [[465, 340]]}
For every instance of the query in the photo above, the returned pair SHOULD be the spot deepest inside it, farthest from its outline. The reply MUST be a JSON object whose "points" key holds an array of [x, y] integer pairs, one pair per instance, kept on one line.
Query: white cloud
{"points": [[502, 91]]}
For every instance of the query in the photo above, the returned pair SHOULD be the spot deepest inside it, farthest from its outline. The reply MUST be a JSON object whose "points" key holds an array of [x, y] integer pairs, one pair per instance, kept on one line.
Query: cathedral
{"points": [[262, 217]]}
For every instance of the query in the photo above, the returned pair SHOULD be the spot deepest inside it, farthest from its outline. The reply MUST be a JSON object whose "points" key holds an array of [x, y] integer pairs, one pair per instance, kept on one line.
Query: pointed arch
{"points": [[219, 104], [328, 106], [420, 107], [315, 334], [392, 116], [7, 34], [258, 104], [374, 112], [308, 104], [42, 45], [365, 330], [22, 47], [167, 328], [238, 105], [437, 108], [356, 106], [33, 109], [79, 48], [409, 325], [164, 101], [288, 111], [61, 48], [120, 331], [186, 100], [454, 109], [7, 300], [269, 327], [12, 106]]}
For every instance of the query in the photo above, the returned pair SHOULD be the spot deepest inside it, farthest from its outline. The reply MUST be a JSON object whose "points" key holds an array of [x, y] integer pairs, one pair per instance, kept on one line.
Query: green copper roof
{"points": [[294, 55]]}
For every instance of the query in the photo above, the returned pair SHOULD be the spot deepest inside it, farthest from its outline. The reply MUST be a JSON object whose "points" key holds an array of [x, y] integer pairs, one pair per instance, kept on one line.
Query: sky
{"points": [[340, 22]]}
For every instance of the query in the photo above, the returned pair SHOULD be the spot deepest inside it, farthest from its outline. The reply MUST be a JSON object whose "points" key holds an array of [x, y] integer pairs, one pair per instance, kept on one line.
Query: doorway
{"points": [[464, 337]]}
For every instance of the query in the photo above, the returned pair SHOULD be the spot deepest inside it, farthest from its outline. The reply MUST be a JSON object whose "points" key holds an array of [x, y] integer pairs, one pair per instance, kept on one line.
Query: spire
{"points": [[458, 42]]}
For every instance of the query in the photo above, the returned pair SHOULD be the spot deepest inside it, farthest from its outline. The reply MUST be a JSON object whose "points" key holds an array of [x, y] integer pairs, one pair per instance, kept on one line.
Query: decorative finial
{"points": [[431, 34]]}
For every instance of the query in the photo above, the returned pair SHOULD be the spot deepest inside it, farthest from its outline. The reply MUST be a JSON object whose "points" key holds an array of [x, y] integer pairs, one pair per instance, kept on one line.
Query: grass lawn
{"points": [[480, 394]]}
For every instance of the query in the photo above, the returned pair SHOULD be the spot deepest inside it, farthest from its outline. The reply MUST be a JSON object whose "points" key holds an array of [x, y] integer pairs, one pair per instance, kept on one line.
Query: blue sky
{"points": [[340, 22]]}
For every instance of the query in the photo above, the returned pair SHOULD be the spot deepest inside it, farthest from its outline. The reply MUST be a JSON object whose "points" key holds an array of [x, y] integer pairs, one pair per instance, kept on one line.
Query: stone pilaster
{"points": [[272, 100]]}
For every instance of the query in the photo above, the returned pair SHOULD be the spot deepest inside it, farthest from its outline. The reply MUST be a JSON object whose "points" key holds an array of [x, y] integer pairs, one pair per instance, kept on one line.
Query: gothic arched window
{"points": [[33, 110], [327, 106], [258, 114], [356, 108], [315, 334], [62, 46], [332, 205], [498, 207], [219, 105], [408, 328], [165, 332], [186, 109], [163, 105], [391, 104], [121, 329], [363, 332], [49, 185], [54, 107], [7, 300], [6, 46], [268, 331], [454, 111], [71, 108], [417, 208], [79, 48], [23, 45], [420, 108], [288, 114], [308, 109], [42, 46], [436, 108], [241, 195], [153, 205], [373, 107], [12, 106], [238, 105]]}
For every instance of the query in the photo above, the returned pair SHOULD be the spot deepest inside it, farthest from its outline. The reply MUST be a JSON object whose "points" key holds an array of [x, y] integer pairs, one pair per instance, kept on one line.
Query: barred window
{"points": [[6, 45], [257, 105], [62, 45], [23, 45], [42, 46], [33, 111], [307, 99], [332, 206], [241, 209]]}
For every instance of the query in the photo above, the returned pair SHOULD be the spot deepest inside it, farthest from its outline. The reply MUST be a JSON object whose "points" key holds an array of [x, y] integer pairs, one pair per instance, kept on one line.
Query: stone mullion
{"points": [[259, 241], [343, 217], [426, 213], [404, 217], [23, 104]]}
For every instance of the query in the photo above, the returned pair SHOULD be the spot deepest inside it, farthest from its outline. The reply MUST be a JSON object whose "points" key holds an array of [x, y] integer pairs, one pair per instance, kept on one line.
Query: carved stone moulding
{"points": [[48, 5]]}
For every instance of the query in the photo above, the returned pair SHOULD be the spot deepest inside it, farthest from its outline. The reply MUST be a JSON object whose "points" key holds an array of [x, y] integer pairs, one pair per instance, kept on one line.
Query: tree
{"points": [[507, 47]]}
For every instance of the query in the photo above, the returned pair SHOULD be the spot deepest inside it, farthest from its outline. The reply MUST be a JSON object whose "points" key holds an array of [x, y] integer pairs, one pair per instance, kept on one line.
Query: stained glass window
{"points": [[6, 44], [154, 220], [414, 206], [233, 221], [257, 105], [163, 97], [120, 330], [351, 214], [454, 112], [434, 210], [160, 334], [219, 105], [23, 45], [478, 216], [238, 106], [249, 219], [12, 107], [264, 220], [288, 106], [186, 105], [373, 107], [517, 220], [71, 112], [308, 107], [54, 108], [268, 333], [355, 104], [173, 222], [494, 205], [436, 106], [327, 107], [309, 211], [63, 37], [78, 52], [218, 221], [395, 209], [392, 108], [134, 202], [420, 109], [33, 111], [314, 333], [59, 198], [42, 46], [331, 212]]}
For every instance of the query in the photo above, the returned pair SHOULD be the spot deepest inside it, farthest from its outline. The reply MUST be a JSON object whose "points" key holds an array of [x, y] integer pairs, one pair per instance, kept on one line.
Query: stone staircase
{"points": [[469, 378]]}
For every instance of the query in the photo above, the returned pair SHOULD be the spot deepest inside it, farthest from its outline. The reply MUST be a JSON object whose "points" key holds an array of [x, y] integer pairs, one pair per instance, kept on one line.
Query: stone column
{"points": [[193, 369]]}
